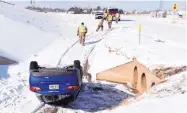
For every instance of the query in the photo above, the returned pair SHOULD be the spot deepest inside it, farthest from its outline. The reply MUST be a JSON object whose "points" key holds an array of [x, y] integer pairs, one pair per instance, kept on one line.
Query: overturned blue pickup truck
{"points": [[56, 84]]}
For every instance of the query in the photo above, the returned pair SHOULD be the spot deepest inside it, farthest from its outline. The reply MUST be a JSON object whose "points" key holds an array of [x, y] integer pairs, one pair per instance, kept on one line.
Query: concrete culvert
{"points": [[135, 78], [132, 72], [143, 82]]}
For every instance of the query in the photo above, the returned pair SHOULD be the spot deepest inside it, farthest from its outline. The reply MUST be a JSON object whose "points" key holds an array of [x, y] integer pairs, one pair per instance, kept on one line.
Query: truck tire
{"points": [[33, 66], [77, 64]]}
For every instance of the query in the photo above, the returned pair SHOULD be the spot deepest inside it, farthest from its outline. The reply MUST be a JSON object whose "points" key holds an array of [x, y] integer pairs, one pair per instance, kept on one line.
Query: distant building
{"points": [[70, 12], [158, 14]]}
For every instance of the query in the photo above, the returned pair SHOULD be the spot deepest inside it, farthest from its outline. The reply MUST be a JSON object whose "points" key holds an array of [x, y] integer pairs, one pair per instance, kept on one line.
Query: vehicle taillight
{"points": [[73, 88], [34, 89]]}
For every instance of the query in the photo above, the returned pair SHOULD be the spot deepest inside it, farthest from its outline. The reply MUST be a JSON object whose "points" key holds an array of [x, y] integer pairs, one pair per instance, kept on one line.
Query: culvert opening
{"points": [[135, 77], [153, 84], [143, 82]]}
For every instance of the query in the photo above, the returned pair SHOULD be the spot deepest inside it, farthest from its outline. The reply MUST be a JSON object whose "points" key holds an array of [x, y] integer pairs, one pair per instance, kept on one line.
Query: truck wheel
{"points": [[77, 64], [33, 66]]}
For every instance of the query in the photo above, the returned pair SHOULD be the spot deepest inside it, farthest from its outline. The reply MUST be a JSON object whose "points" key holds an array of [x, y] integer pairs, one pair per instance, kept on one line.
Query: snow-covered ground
{"points": [[162, 98], [21, 40], [51, 40]]}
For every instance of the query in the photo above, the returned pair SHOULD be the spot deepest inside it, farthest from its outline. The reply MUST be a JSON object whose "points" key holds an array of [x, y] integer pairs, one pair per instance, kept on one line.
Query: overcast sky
{"points": [[124, 4]]}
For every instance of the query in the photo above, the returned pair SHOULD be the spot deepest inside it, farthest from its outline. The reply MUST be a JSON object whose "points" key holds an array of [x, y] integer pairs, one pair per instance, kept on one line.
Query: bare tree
{"points": [[120, 11], [98, 8]]}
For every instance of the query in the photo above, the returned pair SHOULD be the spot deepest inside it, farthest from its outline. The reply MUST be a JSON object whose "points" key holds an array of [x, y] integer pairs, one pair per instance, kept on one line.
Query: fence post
{"points": [[139, 29]]}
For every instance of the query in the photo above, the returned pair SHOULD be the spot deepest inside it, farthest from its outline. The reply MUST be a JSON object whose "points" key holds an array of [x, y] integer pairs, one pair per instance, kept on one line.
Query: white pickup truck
{"points": [[99, 15]]}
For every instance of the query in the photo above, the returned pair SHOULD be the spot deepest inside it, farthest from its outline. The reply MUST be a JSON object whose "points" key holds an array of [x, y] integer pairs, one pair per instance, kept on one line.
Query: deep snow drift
{"points": [[57, 45], [21, 40]]}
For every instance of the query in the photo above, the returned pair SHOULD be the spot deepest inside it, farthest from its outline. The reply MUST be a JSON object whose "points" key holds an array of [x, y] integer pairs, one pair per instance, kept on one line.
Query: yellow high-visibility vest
{"points": [[82, 28], [100, 22], [109, 17], [105, 15]]}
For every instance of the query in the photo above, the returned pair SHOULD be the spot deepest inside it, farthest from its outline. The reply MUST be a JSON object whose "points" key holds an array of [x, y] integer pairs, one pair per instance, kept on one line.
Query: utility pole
{"points": [[160, 5], [185, 7], [32, 2]]}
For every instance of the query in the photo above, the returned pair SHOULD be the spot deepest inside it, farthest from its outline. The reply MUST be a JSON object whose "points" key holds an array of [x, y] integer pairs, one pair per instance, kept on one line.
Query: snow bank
{"points": [[3, 53], [164, 105], [63, 24], [22, 40]]}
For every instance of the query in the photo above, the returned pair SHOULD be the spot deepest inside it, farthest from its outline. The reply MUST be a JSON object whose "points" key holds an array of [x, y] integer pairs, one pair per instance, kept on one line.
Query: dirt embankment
{"points": [[163, 72], [6, 61]]}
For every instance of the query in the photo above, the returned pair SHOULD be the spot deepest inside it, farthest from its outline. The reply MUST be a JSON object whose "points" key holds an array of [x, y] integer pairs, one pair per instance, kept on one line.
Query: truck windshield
{"points": [[99, 13], [113, 10]]}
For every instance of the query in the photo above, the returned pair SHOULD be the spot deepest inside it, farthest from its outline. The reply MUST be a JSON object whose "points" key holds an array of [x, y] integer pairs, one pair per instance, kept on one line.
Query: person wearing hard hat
{"points": [[117, 16], [81, 32], [109, 19], [100, 24]]}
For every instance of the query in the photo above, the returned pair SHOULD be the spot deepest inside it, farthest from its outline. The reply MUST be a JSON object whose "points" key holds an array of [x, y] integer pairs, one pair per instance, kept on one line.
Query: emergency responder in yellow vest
{"points": [[105, 15], [109, 19], [117, 16], [100, 24], [81, 32]]}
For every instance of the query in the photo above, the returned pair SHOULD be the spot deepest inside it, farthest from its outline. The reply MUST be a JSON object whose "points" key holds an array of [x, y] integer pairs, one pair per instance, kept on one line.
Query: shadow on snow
{"points": [[96, 97]]}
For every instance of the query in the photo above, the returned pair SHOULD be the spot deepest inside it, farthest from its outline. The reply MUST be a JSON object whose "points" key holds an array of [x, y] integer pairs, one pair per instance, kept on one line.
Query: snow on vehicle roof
{"points": [[111, 8]]}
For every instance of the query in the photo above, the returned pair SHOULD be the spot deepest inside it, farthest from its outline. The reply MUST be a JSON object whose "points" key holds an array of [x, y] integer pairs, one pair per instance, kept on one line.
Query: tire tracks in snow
{"points": [[68, 49], [90, 37], [88, 50]]}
